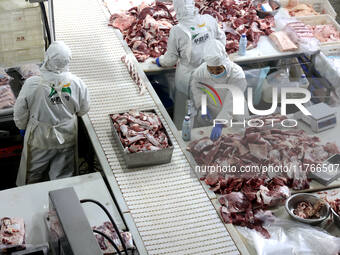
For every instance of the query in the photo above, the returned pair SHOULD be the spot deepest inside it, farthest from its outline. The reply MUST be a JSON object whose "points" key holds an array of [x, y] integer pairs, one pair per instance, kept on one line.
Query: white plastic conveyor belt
{"points": [[169, 207]]}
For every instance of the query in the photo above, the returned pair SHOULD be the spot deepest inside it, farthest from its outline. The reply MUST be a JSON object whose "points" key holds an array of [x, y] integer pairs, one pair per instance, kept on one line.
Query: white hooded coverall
{"points": [[185, 48], [47, 107], [215, 55]]}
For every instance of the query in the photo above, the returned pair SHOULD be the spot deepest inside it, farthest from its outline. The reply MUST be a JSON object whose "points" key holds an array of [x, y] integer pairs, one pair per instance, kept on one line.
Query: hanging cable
{"points": [[110, 217], [107, 238]]}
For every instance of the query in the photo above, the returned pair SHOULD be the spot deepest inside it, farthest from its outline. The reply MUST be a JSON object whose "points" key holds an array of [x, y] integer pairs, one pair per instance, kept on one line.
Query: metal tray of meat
{"points": [[144, 158]]}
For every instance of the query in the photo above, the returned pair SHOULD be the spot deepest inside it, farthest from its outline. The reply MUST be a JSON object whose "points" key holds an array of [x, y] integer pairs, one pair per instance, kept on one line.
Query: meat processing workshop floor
{"points": [[269, 183]]}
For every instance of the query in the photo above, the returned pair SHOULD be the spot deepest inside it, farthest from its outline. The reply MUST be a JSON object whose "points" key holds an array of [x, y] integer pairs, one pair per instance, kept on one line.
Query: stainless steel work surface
{"points": [[265, 50], [31, 203], [171, 212], [329, 135]]}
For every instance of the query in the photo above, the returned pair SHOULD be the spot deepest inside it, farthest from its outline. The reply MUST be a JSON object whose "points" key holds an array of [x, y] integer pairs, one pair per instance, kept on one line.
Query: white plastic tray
{"points": [[320, 6], [322, 20]]}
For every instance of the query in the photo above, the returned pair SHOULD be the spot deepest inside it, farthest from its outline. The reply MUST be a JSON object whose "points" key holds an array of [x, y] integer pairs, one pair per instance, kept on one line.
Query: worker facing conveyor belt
{"points": [[186, 43], [216, 73], [45, 112]]}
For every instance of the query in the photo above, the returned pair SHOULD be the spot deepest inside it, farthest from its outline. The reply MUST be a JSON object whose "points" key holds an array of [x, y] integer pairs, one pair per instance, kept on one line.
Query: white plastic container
{"points": [[325, 66], [320, 6], [322, 20]]}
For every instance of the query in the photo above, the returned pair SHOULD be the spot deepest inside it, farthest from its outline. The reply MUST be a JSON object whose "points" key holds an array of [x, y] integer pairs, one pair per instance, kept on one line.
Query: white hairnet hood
{"points": [[215, 54], [184, 8], [55, 67]]}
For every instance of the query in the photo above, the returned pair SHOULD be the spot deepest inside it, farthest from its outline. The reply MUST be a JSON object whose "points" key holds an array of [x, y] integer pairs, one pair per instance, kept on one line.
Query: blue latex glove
{"points": [[207, 116], [157, 62], [22, 132], [216, 132]]}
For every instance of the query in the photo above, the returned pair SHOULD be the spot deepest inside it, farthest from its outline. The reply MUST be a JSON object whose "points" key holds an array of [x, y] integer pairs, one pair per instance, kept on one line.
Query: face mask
{"points": [[218, 76]]}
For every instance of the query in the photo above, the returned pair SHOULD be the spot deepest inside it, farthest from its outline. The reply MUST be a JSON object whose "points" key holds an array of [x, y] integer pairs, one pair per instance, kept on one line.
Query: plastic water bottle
{"points": [[189, 107], [190, 111], [186, 129], [243, 45], [303, 82]]}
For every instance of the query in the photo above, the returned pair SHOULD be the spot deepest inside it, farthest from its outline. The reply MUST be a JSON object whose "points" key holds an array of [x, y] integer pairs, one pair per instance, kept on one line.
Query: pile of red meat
{"points": [[300, 9], [289, 149], [146, 28], [7, 98], [243, 200], [335, 204], [28, 70], [299, 32], [108, 229], [134, 73], [12, 234], [236, 18], [325, 33], [140, 131], [307, 210], [4, 77]]}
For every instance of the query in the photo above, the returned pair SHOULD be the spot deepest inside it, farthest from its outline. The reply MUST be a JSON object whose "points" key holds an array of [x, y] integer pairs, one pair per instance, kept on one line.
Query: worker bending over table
{"points": [[213, 77], [185, 48]]}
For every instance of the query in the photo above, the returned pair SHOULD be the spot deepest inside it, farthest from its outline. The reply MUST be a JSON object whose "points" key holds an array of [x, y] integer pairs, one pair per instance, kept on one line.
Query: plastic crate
{"points": [[320, 6], [326, 68], [20, 19], [9, 5], [322, 20], [19, 57], [331, 51], [23, 39]]}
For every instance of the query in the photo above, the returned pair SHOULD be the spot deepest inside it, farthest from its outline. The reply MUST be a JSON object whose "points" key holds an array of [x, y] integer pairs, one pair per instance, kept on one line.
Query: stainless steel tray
{"points": [[326, 178], [144, 158]]}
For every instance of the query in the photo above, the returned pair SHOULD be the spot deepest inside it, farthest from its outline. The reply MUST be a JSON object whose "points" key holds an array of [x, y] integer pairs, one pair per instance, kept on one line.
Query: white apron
{"points": [[46, 136]]}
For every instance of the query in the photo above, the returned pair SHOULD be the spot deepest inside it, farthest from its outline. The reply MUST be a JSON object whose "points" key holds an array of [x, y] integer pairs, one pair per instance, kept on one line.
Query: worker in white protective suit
{"points": [[46, 113], [212, 78], [185, 48]]}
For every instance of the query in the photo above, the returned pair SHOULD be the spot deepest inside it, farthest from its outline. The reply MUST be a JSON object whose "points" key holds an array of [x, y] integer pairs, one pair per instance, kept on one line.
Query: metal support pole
{"points": [[51, 19]]}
